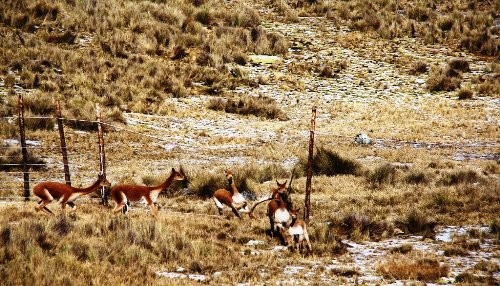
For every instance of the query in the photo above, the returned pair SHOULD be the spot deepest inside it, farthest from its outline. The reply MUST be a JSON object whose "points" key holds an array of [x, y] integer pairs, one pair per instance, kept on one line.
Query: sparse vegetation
{"points": [[402, 267], [259, 106]]}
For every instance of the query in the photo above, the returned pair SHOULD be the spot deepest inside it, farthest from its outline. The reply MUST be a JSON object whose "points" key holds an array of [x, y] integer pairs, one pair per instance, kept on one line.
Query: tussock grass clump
{"points": [[329, 163], [326, 240], [443, 80], [417, 222], [418, 178], [459, 64], [465, 93], [12, 159], [413, 267], [459, 177], [8, 130], [260, 106], [403, 249], [469, 278], [419, 67], [495, 226], [385, 174], [358, 227]]}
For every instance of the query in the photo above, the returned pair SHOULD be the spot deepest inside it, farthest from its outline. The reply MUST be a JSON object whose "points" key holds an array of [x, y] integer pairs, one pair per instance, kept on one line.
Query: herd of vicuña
{"points": [[282, 215]]}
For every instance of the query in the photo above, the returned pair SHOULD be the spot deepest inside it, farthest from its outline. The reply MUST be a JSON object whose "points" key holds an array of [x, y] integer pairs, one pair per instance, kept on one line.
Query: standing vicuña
{"points": [[66, 194], [297, 231], [231, 198], [121, 194], [277, 208]]}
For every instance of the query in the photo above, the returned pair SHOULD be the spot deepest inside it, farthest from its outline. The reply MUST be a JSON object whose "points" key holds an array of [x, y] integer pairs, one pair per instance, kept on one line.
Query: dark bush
{"points": [[444, 80], [417, 178], [329, 163], [260, 106], [459, 65], [446, 23], [385, 174], [459, 177], [417, 222], [465, 93], [419, 67]]}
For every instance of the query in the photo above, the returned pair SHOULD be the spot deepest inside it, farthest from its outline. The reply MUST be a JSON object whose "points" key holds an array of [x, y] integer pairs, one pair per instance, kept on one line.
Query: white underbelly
{"points": [[238, 198], [296, 230], [281, 215]]}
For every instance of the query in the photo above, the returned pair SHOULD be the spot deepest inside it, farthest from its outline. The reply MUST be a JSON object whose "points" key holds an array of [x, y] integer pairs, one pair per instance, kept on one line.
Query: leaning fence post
{"points": [[102, 155], [64, 151], [24, 151], [307, 207]]}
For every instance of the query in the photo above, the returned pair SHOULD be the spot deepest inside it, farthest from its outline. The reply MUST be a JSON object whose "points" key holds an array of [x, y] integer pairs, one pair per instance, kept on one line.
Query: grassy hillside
{"points": [[181, 85]]}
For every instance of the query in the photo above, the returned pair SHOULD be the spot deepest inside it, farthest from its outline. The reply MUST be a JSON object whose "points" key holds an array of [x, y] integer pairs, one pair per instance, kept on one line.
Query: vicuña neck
{"points": [[167, 182], [91, 188]]}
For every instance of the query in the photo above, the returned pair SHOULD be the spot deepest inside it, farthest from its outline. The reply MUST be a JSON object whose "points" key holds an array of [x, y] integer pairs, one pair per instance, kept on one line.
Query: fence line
{"points": [[317, 132], [412, 143]]}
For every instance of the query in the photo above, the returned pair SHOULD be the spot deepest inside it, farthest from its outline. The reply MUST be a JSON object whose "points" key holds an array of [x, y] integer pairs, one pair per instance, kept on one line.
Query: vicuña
{"points": [[122, 194], [65, 194], [297, 231], [231, 198]]}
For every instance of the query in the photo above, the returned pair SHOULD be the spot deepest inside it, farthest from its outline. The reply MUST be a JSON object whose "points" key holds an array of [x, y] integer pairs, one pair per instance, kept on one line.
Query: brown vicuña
{"points": [[122, 194], [66, 194], [297, 231], [278, 201], [278, 211], [231, 198]]}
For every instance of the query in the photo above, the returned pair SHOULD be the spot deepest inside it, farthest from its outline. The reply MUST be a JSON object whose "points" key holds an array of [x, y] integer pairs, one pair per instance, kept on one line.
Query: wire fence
{"points": [[14, 168]]}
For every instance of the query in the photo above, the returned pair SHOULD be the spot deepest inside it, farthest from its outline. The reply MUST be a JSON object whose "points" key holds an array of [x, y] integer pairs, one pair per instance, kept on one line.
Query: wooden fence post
{"points": [[24, 151], [64, 151], [102, 155], [307, 207]]}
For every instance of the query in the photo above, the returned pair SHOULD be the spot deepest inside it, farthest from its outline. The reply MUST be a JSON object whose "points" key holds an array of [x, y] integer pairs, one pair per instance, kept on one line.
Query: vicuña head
{"points": [[231, 197], [122, 194], [65, 194], [297, 231]]}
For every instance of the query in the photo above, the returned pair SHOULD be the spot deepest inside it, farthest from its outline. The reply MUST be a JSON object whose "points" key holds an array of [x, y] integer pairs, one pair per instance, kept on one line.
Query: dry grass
{"points": [[468, 23], [417, 267], [260, 106], [136, 56]]}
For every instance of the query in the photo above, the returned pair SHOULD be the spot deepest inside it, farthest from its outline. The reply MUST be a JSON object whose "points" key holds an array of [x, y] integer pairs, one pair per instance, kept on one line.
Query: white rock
{"points": [[362, 138], [254, 242]]}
